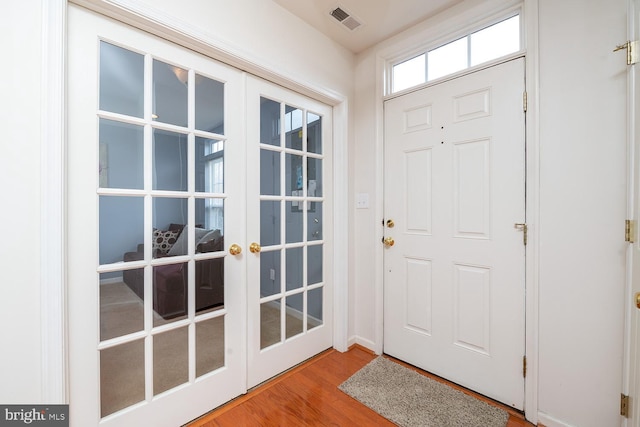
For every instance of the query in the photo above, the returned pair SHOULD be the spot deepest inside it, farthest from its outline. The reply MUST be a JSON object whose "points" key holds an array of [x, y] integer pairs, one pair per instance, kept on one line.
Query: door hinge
{"points": [[624, 405], [525, 231], [629, 230], [632, 48], [525, 101], [524, 366]]}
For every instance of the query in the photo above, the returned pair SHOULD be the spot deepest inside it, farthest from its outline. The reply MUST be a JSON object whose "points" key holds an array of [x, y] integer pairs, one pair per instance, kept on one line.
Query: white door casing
{"points": [[288, 220], [454, 281], [632, 311], [199, 393]]}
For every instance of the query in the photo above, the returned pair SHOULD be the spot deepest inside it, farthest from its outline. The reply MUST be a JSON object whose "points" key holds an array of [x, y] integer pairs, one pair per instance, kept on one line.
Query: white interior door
{"points": [[633, 300], [290, 226], [454, 189], [155, 300]]}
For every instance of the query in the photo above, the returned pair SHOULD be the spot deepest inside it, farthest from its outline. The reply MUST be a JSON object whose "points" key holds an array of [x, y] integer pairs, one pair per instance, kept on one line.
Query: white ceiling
{"points": [[380, 19]]}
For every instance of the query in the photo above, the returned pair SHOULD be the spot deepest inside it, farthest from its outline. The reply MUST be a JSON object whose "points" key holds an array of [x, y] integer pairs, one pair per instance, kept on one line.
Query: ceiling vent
{"points": [[346, 19]]}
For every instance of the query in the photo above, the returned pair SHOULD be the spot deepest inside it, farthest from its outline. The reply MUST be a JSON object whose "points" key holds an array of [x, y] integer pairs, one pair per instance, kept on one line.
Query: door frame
{"points": [[630, 372], [54, 341], [529, 13]]}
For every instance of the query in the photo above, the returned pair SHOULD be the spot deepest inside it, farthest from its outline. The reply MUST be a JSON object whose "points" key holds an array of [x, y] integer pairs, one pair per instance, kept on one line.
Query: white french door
{"points": [[455, 255], [156, 302], [175, 163], [290, 226]]}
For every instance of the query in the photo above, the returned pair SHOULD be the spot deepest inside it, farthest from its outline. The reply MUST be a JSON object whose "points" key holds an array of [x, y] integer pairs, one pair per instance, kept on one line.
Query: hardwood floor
{"points": [[308, 395]]}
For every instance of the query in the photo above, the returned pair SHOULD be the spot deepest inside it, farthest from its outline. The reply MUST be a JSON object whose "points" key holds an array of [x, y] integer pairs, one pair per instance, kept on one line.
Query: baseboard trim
{"points": [[363, 342], [546, 420]]}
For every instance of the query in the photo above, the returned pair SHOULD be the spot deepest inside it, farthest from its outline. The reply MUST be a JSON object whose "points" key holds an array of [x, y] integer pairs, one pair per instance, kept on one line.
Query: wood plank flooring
{"points": [[308, 395]]}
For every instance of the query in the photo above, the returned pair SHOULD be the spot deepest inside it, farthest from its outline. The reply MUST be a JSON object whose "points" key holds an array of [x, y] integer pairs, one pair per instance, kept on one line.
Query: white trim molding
{"points": [[341, 225], [532, 272], [52, 211]]}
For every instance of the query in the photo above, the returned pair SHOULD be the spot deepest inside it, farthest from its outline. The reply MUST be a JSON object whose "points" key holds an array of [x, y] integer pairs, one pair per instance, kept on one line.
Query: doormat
{"points": [[410, 399]]}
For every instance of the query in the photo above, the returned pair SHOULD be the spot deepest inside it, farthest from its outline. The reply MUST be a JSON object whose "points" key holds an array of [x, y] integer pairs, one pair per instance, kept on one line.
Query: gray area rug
{"points": [[410, 399]]}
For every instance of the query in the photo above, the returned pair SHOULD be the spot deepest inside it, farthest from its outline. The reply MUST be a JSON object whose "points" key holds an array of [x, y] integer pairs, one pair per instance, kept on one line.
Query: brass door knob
{"points": [[235, 249], [255, 248], [638, 300], [388, 241]]}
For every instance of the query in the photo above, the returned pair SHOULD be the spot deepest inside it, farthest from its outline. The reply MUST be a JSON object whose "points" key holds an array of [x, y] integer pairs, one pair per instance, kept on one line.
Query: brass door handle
{"points": [[388, 241], [235, 249], [638, 300], [255, 248]]}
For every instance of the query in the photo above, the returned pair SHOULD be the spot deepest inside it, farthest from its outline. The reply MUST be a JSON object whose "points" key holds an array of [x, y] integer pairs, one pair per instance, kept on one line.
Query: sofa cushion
{"points": [[181, 245], [163, 240]]}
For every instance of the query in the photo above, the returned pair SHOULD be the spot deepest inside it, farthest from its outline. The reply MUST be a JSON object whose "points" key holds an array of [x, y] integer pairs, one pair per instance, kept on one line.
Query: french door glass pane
{"points": [[121, 155], [314, 133], [293, 127], [121, 376], [294, 221], [121, 228], [314, 221], [169, 161], [293, 320], [295, 263], [209, 285], [121, 308], [295, 175], [270, 332], [118, 94], [170, 359], [269, 172], [269, 222], [170, 93], [269, 122], [314, 177], [314, 307], [170, 216], [270, 275], [170, 294], [209, 345], [209, 105], [209, 224], [209, 165], [314, 264]]}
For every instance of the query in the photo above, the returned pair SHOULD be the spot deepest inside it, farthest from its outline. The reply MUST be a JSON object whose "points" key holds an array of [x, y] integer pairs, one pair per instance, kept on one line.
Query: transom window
{"points": [[486, 44]]}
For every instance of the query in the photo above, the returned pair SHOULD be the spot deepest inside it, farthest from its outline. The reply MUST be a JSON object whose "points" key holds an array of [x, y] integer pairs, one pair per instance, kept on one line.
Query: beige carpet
{"points": [[410, 399], [122, 369]]}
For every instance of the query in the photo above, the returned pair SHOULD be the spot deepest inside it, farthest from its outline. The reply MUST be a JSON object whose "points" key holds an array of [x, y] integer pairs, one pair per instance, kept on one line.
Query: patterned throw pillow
{"points": [[163, 240]]}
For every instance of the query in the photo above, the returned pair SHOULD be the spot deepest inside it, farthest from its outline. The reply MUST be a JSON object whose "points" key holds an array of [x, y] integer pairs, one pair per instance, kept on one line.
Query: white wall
{"points": [[257, 30], [582, 202], [582, 210], [20, 91]]}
